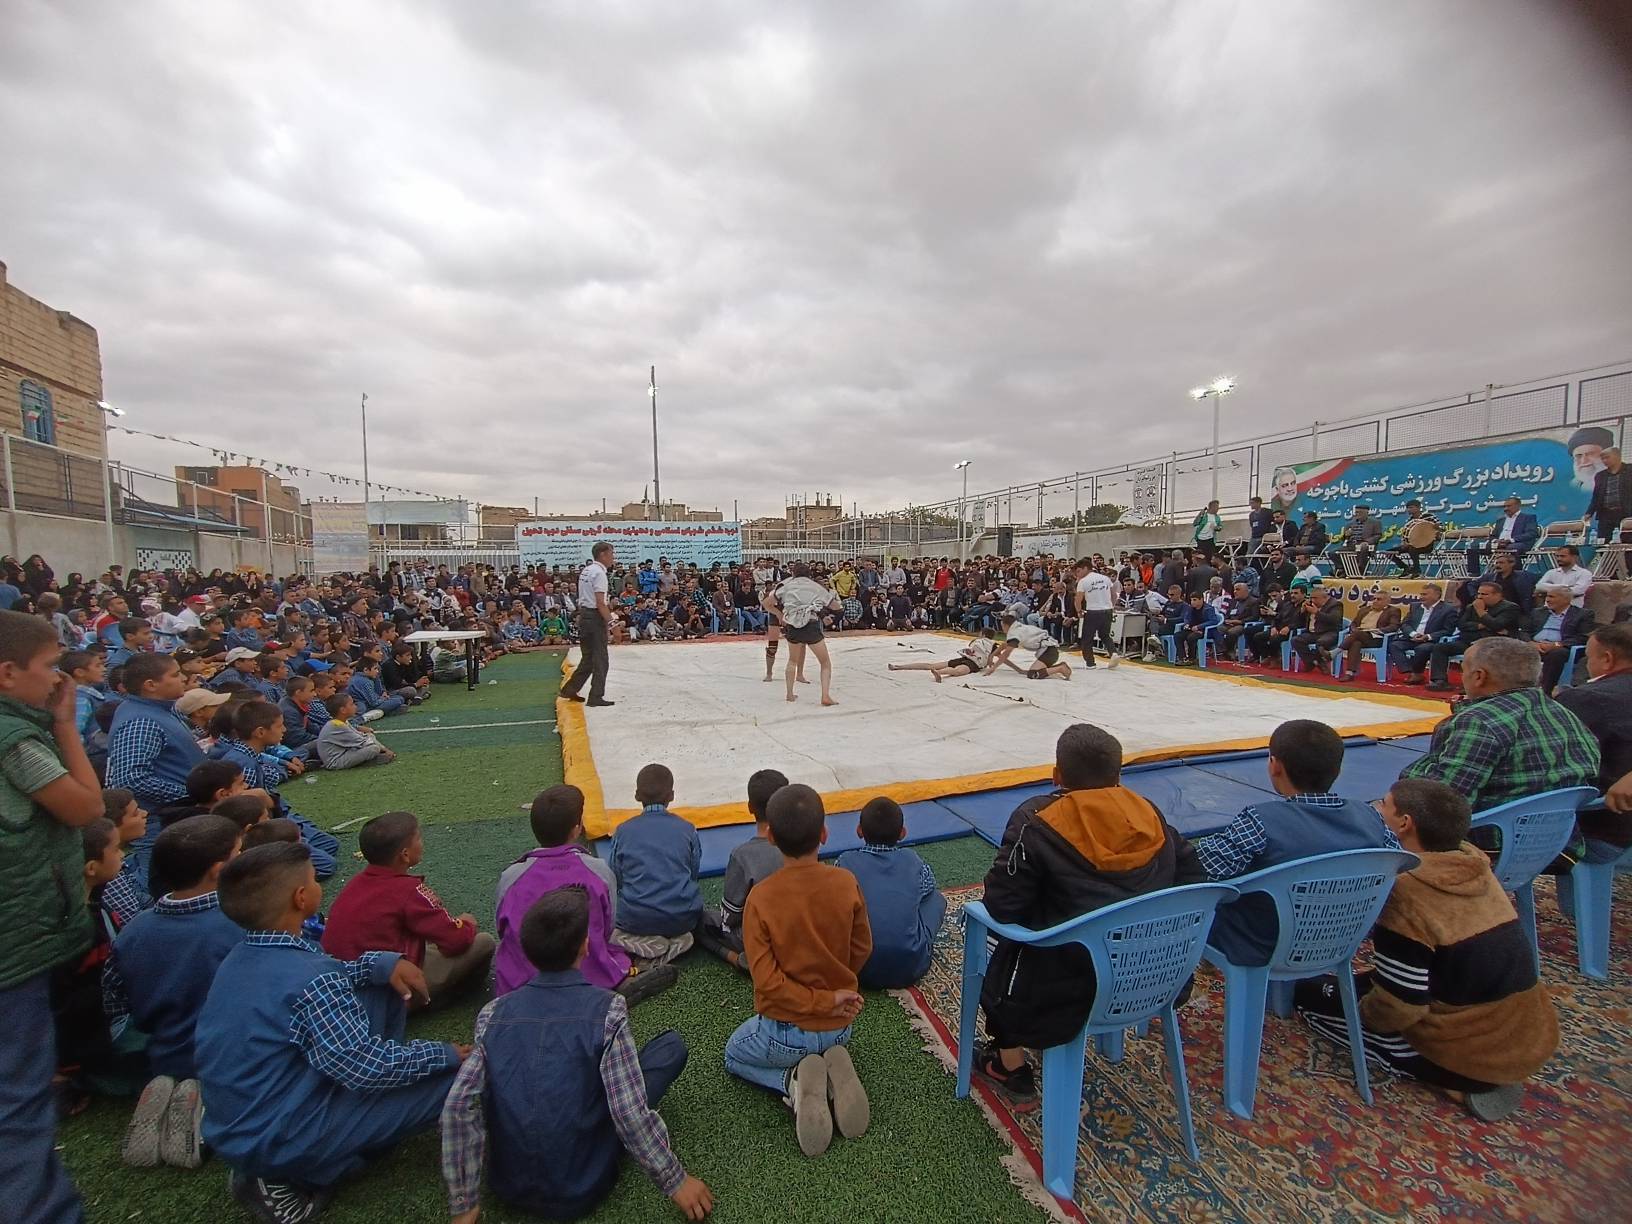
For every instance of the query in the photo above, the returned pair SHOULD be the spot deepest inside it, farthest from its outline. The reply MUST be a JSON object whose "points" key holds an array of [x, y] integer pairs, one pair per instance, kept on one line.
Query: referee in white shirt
{"points": [[593, 617], [1094, 596]]}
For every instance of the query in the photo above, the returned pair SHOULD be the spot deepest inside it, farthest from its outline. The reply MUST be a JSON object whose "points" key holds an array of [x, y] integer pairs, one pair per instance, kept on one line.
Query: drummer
{"points": [[1419, 535]]}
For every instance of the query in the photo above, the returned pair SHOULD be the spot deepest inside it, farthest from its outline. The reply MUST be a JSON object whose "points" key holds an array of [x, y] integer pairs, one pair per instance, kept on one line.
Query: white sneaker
{"points": [[181, 1143], [141, 1145], [812, 1118]]}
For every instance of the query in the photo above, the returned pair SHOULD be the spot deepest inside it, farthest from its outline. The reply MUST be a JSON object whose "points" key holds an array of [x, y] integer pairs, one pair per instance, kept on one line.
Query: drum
{"points": [[1421, 533]]}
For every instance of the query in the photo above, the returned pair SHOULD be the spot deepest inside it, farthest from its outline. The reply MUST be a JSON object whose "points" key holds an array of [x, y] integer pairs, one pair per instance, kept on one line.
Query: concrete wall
{"points": [[73, 545]]}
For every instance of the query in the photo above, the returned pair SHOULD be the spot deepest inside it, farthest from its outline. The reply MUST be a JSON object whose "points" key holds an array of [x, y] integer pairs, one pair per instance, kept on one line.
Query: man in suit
{"points": [[1611, 495], [1488, 615], [1314, 643], [1173, 571], [1361, 535], [1265, 643], [1554, 629], [1518, 585], [1378, 617], [1517, 529], [1428, 623], [1244, 610]]}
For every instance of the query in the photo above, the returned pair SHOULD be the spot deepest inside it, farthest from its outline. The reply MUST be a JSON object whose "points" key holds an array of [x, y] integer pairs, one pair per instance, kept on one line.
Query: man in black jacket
{"points": [[1611, 494], [1488, 615], [1315, 643], [1266, 643], [1312, 537], [1088, 844]]}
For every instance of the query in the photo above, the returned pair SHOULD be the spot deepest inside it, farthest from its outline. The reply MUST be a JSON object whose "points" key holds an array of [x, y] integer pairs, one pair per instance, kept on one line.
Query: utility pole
{"points": [[657, 484]]}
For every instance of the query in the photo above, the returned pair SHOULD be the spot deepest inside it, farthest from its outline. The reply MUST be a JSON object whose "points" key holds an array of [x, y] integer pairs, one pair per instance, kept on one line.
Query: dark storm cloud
{"points": [[859, 241]]}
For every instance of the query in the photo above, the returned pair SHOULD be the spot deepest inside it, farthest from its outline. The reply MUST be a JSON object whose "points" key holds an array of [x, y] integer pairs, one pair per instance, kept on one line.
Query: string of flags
{"points": [[229, 458]]}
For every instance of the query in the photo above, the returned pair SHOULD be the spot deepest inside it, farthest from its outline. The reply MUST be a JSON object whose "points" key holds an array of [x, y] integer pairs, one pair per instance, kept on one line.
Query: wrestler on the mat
{"points": [[966, 662], [773, 635], [800, 602], [1046, 661]]}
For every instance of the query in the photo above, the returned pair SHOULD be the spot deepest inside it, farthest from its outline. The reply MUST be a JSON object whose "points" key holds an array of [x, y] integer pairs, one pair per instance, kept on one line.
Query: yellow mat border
{"points": [[578, 760]]}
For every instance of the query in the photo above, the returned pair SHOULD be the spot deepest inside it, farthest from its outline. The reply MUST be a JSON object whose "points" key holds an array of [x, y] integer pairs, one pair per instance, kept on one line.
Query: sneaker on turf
{"points": [[274, 1202], [807, 1093], [141, 1145], [851, 1113], [181, 1144], [644, 983], [1019, 1085]]}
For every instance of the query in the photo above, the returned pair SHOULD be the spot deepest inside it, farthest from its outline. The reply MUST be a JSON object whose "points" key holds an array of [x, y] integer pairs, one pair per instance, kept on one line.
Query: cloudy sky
{"points": [[858, 240]]}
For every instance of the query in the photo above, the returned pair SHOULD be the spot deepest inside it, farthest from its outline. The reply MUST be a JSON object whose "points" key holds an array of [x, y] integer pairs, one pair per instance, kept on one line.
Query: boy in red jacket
{"points": [[384, 909]]}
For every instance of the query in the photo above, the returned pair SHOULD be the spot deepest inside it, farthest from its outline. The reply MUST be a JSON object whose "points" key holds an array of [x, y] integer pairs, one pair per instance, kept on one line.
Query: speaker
{"points": [[1005, 541]]}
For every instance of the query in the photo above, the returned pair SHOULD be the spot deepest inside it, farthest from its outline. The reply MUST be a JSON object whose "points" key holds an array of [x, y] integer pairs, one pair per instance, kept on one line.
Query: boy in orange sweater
{"points": [[805, 937]]}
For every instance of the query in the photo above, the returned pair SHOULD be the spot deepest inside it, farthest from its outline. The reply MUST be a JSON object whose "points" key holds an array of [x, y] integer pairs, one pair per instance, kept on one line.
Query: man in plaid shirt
{"points": [[1508, 740], [569, 1093]]}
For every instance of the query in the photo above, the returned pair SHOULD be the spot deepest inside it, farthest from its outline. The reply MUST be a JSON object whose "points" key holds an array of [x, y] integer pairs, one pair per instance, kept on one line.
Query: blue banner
{"points": [[1550, 473]]}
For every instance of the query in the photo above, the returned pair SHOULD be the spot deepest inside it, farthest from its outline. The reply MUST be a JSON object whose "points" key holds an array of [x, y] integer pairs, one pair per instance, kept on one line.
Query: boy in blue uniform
{"points": [[157, 977], [904, 908], [568, 1094], [305, 1074], [257, 726], [720, 930], [655, 857]]}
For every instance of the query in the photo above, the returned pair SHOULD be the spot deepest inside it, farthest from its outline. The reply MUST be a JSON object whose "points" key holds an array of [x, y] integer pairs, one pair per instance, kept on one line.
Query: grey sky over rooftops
{"points": [[859, 241]]}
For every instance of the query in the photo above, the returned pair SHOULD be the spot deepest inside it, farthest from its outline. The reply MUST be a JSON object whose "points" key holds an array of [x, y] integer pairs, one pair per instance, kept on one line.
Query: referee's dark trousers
{"points": [[592, 666]]}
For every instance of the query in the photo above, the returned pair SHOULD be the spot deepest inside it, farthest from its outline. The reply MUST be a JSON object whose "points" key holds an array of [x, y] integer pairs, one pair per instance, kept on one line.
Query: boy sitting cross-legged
{"points": [[655, 856], [384, 908], [305, 1074], [904, 908], [157, 977], [341, 745], [720, 930], [554, 1091], [560, 860], [806, 936]]}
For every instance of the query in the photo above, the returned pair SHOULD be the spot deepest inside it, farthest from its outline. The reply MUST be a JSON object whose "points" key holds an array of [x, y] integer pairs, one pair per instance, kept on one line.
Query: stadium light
{"points": [[962, 465], [1215, 391]]}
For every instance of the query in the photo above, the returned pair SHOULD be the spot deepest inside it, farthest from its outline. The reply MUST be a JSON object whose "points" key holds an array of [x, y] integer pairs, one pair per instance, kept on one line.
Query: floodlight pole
{"points": [[657, 484]]}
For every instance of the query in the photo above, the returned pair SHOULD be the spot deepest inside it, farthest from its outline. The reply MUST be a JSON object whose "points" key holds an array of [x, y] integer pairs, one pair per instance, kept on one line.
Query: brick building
{"points": [[50, 374], [218, 488]]}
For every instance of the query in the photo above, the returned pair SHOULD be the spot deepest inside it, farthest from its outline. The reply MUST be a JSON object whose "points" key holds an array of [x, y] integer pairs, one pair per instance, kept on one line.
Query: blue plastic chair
{"points": [[1378, 655], [1326, 907], [1587, 894], [1248, 628], [1144, 950], [1567, 678], [1534, 832]]}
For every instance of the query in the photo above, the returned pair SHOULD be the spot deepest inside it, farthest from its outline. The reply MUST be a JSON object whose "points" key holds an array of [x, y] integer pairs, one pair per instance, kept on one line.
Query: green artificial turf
{"points": [[927, 1157]]}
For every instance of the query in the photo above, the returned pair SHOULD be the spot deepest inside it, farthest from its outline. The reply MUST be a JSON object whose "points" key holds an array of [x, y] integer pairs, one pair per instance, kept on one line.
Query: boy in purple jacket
{"points": [[562, 861]]}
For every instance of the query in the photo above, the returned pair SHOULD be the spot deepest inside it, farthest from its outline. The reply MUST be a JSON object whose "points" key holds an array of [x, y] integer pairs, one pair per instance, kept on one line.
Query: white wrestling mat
{"points": [[704, 710]]}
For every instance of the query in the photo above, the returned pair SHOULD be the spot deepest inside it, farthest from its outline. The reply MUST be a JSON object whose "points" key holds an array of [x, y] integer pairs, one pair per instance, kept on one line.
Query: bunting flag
{"points": [[227, 458]]}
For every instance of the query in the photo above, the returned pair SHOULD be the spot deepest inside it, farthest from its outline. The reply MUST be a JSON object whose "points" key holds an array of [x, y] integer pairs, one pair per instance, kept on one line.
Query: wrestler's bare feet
{"points": [[937, 676], [802, 680], [829, 701], [793, 696], [891, 666]]}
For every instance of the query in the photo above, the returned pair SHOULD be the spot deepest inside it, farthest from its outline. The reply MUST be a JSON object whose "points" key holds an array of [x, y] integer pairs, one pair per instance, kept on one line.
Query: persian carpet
{"points": [[1314, 1151]]}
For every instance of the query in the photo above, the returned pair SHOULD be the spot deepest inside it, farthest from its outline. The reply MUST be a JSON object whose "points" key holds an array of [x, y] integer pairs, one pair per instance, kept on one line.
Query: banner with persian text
{"points": [[568, 543], [1550, 472]]}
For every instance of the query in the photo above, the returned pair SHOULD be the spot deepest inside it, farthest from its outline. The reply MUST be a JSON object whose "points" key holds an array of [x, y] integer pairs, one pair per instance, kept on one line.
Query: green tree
{"points": [[1103, 515]]}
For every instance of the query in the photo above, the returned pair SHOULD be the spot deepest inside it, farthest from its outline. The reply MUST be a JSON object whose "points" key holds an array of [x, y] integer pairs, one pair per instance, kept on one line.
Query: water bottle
{"points": [[312, 929]]}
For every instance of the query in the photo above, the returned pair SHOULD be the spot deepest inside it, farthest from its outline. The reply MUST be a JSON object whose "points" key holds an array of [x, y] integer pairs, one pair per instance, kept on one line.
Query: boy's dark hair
{"points": [[383, 838], [115, 801], [298, 684], [1310, 752], [555, 927], [242, 810], [255, 886], [1087, 757], [266, 664], [97, 836], [796, 815], [1442, 814], [881, 821], [254, 716], [761, 786], [557, 810], [185, 852], [132, 624], [241, 615], [207, 777], [270, 831], [654, 784], [340, 701], [73, 660], [24, 637], [143, 669]]}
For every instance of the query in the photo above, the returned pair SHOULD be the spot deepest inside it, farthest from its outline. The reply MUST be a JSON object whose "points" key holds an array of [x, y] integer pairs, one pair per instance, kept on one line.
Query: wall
{"points": [[73, 545], [53, 348]]}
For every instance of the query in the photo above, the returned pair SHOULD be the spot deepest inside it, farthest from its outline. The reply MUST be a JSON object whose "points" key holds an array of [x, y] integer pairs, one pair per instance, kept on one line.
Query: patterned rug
{"points": [[1314, 1151]]}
